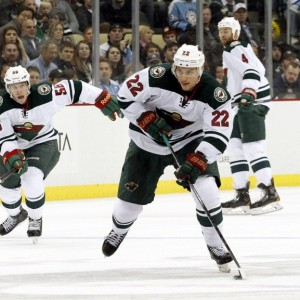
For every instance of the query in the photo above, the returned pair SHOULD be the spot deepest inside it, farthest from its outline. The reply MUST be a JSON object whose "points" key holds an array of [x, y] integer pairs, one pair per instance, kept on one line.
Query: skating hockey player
{"points": [[250, 92], [28, 140], [194, 111]]}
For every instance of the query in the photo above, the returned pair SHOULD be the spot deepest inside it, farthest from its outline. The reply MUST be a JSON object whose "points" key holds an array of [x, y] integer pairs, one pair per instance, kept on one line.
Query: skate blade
{"points": [[225, 268], [35, 239], [241, 210], [272, 207]]}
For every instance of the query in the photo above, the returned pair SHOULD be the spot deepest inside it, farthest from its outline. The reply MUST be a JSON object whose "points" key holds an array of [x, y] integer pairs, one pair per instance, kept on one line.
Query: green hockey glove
{"points": [[248, 96], [191, 169], [154, 125], [15, 159], [109, 105]]}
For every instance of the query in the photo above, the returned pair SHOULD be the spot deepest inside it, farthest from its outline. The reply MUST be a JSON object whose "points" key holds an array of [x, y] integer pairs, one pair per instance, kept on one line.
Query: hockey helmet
{"points": [[15, 75], [189, 56], [233, 24]]}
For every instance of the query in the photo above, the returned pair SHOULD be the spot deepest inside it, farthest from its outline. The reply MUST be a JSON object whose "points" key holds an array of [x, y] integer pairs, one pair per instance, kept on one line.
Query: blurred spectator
{"points": [[44, 62], [145, 37], [23, 13], [182, 15], [8, 10], [120, 72], [152, 60], [147, 8], [56, 33], [70, 19], [169, 34], [249, 31], [88, 36], [105, 73], [11, 54], [43, 15], [218, 73], [31, 4], [83, 61], [169, 51], [30, 41], [57, 75], [3, 69], [118, 11], [115, 38], [287, 85], [277, 56], [56, 15], [160, 14], [295, 23], [151, 48], [221, 9], [65, 56], [35, 76], [84, 15]]}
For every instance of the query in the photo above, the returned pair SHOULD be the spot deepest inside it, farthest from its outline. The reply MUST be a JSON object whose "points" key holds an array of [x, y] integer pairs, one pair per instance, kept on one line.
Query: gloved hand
{"points": [[154, 125], [15, 159], [191, 169], [248, 96], [109, 105]]}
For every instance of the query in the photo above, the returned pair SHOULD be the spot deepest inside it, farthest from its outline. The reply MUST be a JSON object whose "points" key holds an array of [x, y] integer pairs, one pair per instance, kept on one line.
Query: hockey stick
{"points": [[7, 175], [242, 274]]}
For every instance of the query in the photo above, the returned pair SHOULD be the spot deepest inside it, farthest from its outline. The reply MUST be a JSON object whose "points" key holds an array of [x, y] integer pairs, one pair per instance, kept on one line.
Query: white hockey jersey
{"points": [[206, 112], [243, 70], [23, 126]]}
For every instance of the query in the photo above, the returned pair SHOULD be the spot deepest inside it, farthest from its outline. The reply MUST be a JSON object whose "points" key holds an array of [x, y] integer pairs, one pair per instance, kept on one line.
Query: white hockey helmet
{"points": [[15, 75], [231, 22], [189, 56]]}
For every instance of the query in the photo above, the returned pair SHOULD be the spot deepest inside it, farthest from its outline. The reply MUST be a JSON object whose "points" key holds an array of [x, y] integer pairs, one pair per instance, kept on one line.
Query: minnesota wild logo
{"points": [[27, 131]]}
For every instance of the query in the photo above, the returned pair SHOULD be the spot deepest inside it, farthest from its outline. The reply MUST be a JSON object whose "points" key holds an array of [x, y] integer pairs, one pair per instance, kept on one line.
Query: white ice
{"points": [[163, 256]]}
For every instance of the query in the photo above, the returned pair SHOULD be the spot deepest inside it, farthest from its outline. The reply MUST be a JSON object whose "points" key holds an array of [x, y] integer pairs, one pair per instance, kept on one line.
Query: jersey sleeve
{"points": [[68, 92], [217, 128], [134, 96], [8, 138], [242, 60]]}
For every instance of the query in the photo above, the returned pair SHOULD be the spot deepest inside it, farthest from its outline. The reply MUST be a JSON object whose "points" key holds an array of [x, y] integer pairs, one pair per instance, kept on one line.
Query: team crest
{"points": [[220, 94], [131, 186], [1, 100], [44, 89], [157, 72]]}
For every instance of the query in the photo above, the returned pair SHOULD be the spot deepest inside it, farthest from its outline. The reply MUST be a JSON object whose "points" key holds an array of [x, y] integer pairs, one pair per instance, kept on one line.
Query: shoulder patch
{"points": [[220, 94], [1, 100], [157, 72], [44, 89]]}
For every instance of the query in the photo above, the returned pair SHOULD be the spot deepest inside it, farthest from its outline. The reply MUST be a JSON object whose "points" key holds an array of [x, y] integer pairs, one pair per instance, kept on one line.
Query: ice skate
{"points": [[112, 242], [269, 201], [35, 229], [240, 204], [13, 221], [221, 257]]}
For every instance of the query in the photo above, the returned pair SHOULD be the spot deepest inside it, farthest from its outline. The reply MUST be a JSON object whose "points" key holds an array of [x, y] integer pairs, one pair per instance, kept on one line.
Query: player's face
{"points": [[187, 78], [19, 92], [225, 35]]}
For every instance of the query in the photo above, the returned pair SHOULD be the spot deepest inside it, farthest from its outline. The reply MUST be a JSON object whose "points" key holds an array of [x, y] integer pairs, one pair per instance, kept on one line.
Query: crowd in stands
{"points": [[42, 35]]}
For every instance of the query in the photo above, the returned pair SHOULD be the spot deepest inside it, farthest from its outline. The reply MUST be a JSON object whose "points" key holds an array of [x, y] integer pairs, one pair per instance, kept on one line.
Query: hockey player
{"points": [[28, 140], [250, 92], [194, 111]]}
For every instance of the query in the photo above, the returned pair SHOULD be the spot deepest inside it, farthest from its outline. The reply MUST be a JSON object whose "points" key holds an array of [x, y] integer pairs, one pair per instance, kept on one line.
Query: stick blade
{"points": [[242, 274]]}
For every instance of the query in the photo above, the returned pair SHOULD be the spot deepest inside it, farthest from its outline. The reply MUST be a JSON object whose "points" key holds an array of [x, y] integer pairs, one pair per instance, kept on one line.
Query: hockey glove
{"points": [[15, 160], [154, 125], [248, 96], [191, 169], [109, 105]]}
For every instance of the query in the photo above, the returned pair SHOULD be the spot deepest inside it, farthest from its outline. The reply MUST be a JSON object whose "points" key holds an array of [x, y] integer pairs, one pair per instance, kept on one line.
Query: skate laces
{"points": [[35, 224], [9, 223], [115, 239]]}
